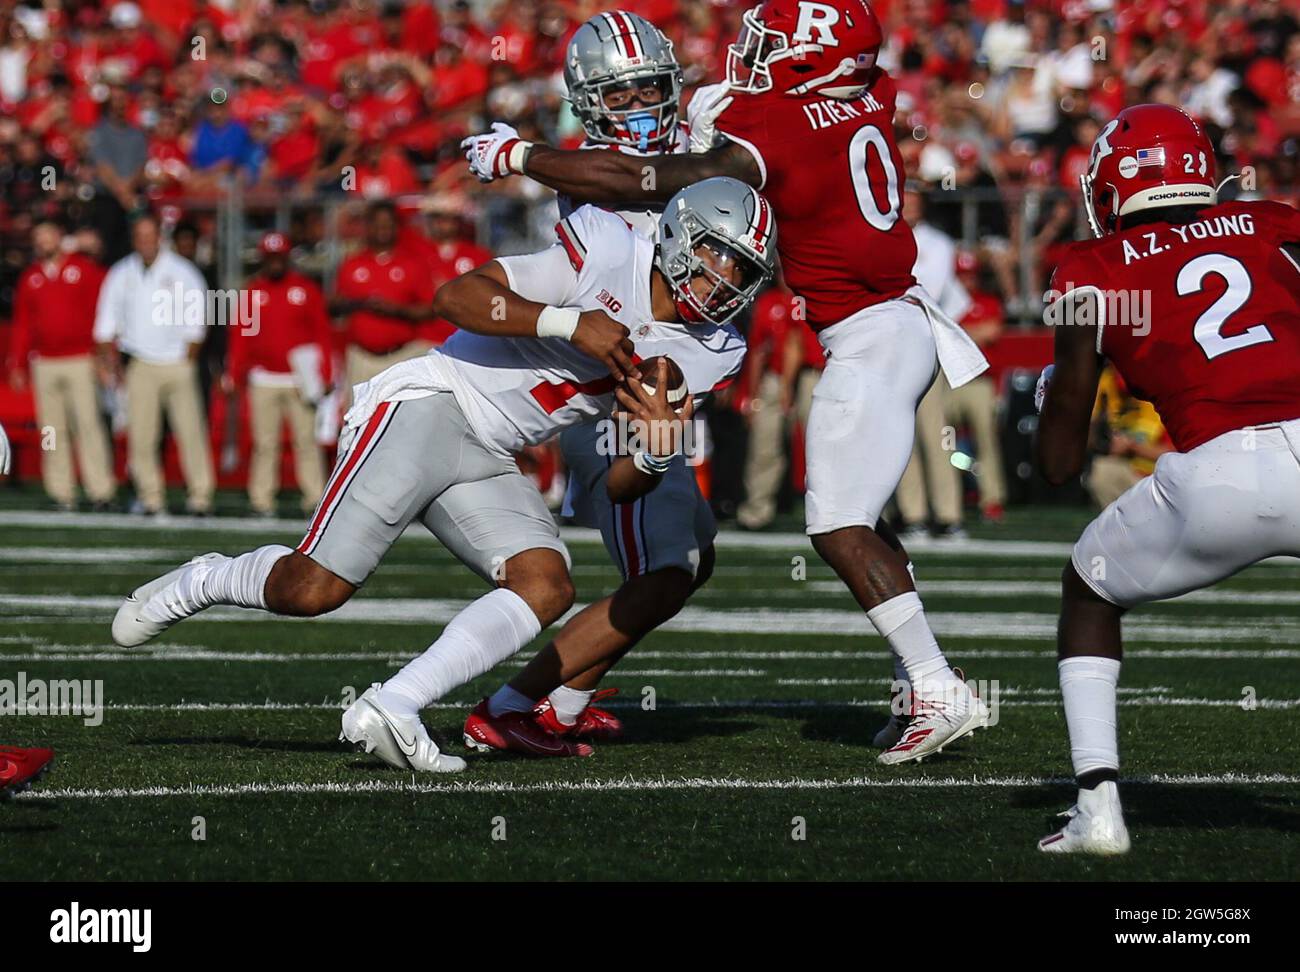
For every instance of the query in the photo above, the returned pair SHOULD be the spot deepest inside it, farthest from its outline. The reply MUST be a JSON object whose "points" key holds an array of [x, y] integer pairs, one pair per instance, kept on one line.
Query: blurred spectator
{"points": [[284, 364], [54, 315], [1127, 439], [119, 151], [976, 402], [781, 368], [385, 294], [446, 249], [152, 307], [931, 486], [222, 148]]}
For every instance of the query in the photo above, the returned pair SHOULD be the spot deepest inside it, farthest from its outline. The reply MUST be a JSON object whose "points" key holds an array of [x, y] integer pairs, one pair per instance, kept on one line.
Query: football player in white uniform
{"points": [[547, 340], [624, 83]]}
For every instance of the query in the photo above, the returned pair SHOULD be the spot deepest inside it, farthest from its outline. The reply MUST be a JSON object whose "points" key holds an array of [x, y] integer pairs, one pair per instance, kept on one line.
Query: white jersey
{"points": [[518, 391], [641, 216]]}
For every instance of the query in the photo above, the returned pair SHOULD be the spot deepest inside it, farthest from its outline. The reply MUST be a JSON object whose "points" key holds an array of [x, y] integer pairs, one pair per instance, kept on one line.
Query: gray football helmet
{"points": [[610, 58], [724, 231]]}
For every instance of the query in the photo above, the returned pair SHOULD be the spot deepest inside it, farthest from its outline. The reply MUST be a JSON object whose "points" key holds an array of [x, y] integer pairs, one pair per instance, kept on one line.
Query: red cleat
{"points": [[592, 723], [993, 513], [20, 768], [517, 732]]}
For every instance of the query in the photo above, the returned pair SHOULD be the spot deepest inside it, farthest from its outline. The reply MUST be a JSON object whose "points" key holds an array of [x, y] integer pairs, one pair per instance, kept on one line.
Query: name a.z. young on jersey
{"points": [[1166, 238], [828, 112]]}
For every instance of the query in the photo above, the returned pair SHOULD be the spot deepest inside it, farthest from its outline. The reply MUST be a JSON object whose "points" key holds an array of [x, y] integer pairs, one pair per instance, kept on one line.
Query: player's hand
{"points": [[495, 154], [708, 102], [601, 337], [1040, 389], [664, 423], [228, 386]]}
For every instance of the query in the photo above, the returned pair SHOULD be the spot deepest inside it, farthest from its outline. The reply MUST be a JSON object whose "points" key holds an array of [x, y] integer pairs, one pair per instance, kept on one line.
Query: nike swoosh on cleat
{"points": [[408, 749], [557, 748]]}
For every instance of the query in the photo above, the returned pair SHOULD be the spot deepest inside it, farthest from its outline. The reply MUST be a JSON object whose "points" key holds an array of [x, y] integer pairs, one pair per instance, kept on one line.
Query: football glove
{"points": [[708, 102], [500, 152], [1040, 389]]}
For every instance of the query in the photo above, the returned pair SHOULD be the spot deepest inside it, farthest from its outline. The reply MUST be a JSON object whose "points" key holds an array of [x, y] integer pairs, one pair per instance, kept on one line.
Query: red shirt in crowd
{"points": [[774, 315], [54, 308], [444, 260], [291, 313], [398, 276]]}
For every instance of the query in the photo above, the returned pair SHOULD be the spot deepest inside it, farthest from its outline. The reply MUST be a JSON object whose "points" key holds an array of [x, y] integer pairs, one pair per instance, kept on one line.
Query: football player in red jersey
{"points": [[807, 117], [1197, 305]]}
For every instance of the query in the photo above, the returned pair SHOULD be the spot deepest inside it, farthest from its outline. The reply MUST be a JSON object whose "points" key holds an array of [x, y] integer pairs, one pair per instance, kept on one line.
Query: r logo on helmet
{"points": [[816, 17]]}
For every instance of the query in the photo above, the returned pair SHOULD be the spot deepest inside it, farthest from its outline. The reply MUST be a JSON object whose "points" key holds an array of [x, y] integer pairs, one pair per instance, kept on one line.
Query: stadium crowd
{"points": [[110, 111]]}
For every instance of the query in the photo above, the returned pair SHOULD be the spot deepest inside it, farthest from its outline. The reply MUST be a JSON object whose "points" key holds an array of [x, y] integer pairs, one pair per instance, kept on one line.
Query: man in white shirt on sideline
{"points": [[936, 271], [151, 308]]}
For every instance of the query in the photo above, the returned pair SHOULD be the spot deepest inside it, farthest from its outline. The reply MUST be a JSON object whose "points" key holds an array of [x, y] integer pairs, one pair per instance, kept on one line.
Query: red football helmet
{"points": [[802, 47], [1148, 156]]}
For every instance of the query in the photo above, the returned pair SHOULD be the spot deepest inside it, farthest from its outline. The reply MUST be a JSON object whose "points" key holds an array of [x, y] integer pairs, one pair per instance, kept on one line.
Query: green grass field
{"points": [[766, 693]]}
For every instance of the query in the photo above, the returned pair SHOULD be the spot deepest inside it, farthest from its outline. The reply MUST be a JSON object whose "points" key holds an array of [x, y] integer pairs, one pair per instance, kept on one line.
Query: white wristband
{"points": [[518, 157], [651, 465], [558, 322]]}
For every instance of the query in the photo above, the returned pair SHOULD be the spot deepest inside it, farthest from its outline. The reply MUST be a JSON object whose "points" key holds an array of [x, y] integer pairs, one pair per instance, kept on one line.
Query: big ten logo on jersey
{"points": [[609, 300]]}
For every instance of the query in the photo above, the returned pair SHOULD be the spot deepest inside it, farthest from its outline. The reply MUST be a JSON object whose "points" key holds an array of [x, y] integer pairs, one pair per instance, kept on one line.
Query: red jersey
{"points": [[291, 313], [54, 308], [1217, 345], [396, 276], [835, 179]]}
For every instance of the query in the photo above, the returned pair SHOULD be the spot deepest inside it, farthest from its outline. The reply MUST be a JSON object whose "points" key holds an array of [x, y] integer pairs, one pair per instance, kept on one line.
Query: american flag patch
{"points": [[1150, 156]]}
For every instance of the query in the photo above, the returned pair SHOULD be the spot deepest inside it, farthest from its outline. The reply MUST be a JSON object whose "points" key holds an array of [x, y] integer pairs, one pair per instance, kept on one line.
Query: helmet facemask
{"points": [[747, 58], [641, 126], [732, 276]]}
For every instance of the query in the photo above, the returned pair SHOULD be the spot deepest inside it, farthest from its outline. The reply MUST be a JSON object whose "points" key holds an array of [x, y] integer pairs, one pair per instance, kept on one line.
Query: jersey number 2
{"points": [[859, 159], [1191, 280]]}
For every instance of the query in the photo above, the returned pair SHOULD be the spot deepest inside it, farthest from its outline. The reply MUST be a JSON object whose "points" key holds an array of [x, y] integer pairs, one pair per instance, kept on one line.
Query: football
{"points": [[649, 368]]}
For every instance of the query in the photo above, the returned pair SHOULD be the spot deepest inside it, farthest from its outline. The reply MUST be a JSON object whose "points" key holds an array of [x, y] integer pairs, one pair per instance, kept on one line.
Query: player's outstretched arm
{"points": [[482, 301], [1066, 417], [612, 177]]}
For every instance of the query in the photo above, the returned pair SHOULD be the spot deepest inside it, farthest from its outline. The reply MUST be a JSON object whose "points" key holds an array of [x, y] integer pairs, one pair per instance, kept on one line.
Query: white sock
{"points": [[484, 634], [506, 699], [569, 703], [901, 622], [238, 581], [1088, 692]]}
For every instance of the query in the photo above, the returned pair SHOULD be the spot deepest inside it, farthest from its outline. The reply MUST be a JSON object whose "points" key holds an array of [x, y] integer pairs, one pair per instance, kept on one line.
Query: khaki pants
{"points": [[976, 403], [67, 407], [769, 431], [270, 406], [362, 365], [151, 388], [931, 463], [1109, 478]]}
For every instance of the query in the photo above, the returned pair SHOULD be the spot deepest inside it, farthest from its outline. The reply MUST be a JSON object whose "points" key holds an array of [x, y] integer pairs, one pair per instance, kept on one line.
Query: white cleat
{"points": [[1096, 825], [130, 627], [937, 720], [400, 741]]}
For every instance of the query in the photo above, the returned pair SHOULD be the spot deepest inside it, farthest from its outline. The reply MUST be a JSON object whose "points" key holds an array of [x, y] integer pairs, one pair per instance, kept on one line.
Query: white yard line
{"points": [[185, 653], [626, 785], [1154, 700], [826, 622]]}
